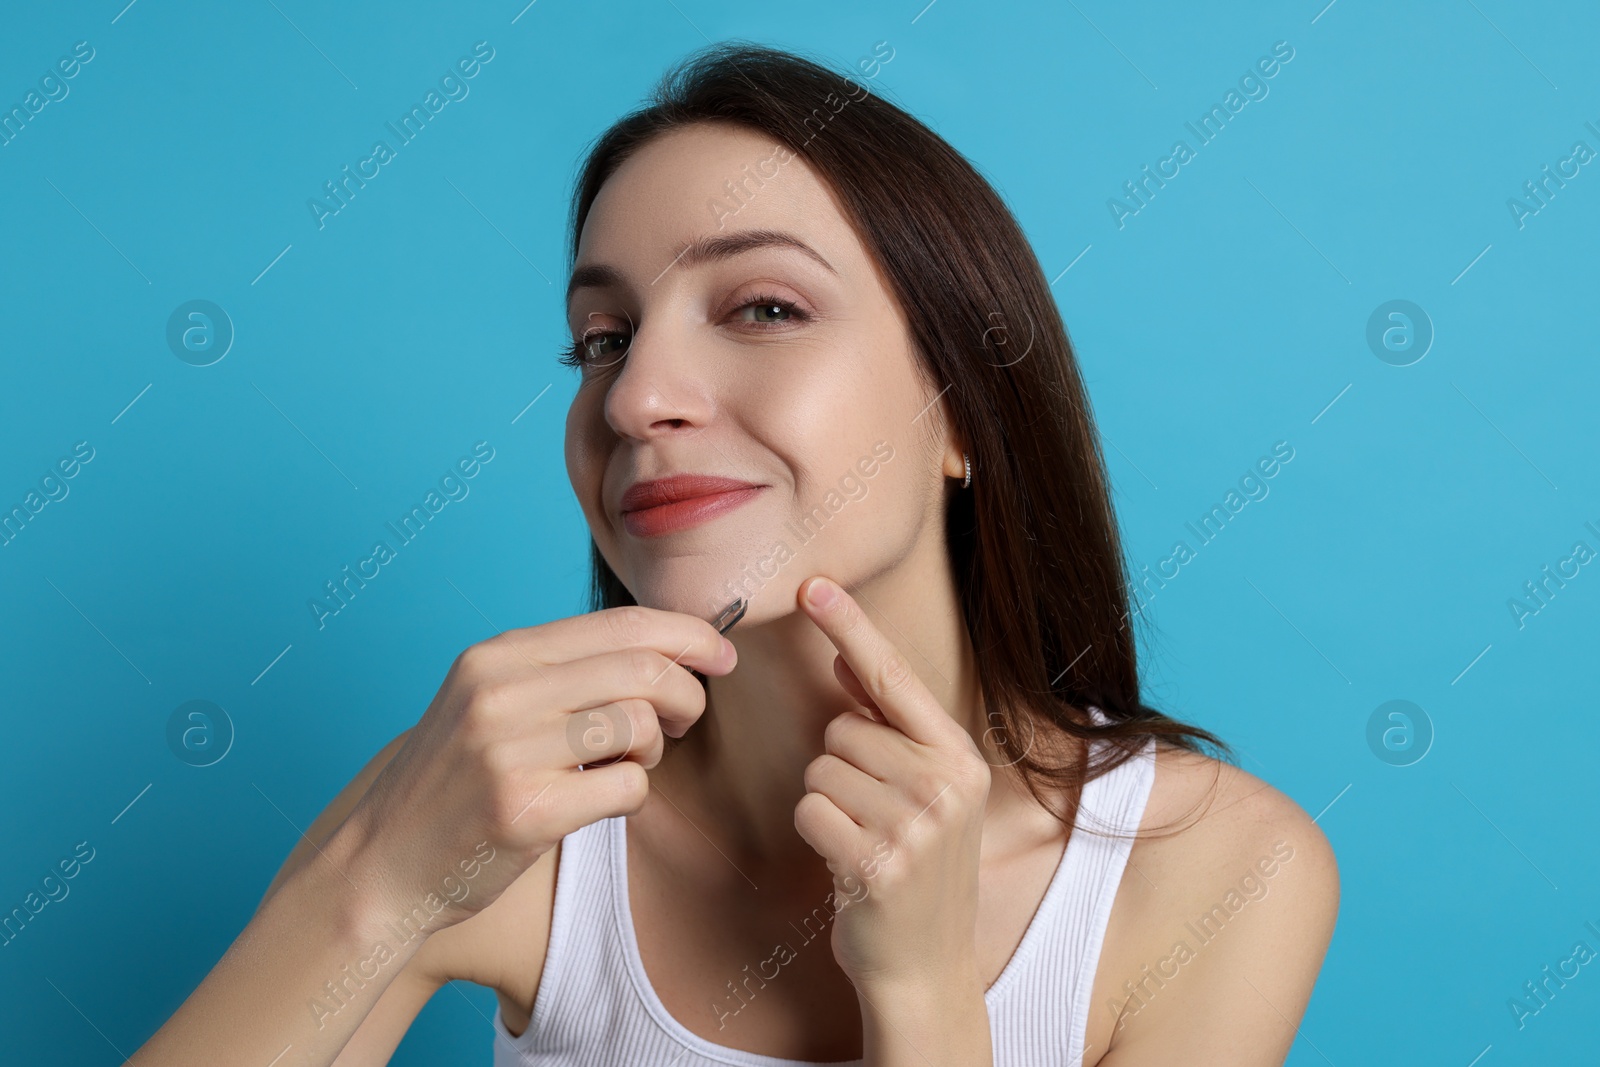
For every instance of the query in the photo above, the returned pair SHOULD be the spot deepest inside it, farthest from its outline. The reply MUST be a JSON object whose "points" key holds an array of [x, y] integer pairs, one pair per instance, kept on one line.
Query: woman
{"points": [[821, 373]]}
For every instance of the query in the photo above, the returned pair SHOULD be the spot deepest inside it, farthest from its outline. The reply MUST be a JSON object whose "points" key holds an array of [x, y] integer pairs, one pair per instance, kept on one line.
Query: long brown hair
{"points": [[1043, 582]]}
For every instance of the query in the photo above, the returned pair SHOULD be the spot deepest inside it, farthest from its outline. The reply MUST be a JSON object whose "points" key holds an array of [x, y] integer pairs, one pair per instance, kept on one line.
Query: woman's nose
{"points": [[660, 387]]}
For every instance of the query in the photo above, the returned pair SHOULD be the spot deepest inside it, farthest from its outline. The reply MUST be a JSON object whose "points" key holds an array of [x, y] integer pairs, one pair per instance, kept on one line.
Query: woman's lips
{"points": [[682, 514]]}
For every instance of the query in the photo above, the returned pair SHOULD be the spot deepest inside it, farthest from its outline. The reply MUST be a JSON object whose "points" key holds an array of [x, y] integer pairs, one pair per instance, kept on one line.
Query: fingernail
{"points": [[822, 593]]}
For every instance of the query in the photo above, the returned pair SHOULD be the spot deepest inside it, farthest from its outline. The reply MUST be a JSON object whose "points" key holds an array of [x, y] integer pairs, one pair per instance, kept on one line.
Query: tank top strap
{"points": [[1054, 966], [582, 990]]}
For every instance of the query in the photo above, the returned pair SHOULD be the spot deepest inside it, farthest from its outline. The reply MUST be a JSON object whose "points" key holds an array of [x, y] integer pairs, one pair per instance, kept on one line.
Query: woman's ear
{"points": [[954, 464], [951, 463]]}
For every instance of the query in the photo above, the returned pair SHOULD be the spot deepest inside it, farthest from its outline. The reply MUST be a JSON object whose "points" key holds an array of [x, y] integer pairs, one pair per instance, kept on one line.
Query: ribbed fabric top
{"points": [[595, 1006]]}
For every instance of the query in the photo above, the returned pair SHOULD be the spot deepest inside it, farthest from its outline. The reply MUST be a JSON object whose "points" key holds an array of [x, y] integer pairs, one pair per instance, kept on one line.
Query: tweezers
{"points": [[730, 615]]}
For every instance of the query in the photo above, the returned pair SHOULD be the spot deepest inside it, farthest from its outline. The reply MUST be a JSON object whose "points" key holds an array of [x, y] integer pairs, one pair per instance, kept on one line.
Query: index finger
{"points": [[684, 639], [901, 696]]}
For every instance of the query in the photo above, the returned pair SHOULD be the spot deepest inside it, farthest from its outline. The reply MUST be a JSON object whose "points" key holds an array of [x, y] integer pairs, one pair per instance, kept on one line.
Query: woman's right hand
{"points": [[488, 780]]}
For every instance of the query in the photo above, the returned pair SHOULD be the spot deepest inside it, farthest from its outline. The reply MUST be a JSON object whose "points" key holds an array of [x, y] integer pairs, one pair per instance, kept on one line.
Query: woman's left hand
{"points": [[895, 805]]}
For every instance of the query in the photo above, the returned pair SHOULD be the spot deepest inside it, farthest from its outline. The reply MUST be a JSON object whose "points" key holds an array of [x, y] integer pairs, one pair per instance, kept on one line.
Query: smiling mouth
{"points": [[682, 514]]}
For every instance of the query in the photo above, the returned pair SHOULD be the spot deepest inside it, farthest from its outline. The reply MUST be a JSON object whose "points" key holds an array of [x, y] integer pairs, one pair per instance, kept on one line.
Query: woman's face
{"points": [[756, 362]]}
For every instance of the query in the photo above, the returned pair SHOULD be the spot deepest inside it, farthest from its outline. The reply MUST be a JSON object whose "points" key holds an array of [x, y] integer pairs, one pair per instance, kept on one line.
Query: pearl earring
{"points": [[966, 462]]}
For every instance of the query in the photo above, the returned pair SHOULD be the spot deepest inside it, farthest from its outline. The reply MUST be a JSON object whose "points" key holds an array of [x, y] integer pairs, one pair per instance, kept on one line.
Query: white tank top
{"points": [[596, 1008]]}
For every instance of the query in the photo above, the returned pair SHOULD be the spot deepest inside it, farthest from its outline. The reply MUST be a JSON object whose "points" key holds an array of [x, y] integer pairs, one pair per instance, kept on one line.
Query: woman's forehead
{"points": [[706, 180]]}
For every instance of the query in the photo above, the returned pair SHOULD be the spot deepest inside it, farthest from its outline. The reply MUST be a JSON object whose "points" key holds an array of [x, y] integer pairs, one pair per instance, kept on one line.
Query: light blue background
{"points": [[1225, 316]]}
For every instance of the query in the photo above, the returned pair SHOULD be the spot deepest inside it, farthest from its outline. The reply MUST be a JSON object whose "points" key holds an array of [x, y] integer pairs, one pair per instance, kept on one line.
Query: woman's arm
{"points": [[313, 927], [483, 787], [323, 826]]}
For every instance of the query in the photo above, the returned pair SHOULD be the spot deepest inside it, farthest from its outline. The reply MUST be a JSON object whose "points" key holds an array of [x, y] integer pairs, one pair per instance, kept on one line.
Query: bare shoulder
{"points": [[1208, 815], [1220, 924]]}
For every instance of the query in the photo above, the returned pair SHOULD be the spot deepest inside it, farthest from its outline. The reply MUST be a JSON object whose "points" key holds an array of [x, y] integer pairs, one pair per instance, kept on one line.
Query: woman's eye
{"points": [[600, 349], [596, 350], [763, 311], [766, 309], [604, 346]]}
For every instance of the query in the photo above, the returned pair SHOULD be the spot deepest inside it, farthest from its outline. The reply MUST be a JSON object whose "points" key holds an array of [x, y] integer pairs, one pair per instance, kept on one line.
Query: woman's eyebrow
{"points": [[706, 249]]}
